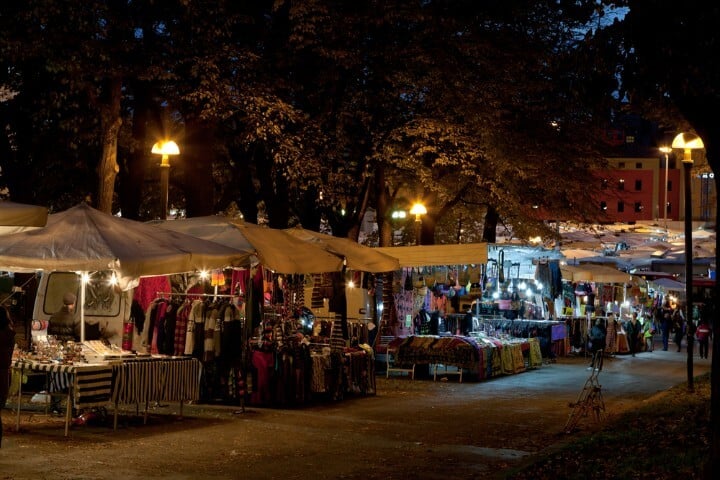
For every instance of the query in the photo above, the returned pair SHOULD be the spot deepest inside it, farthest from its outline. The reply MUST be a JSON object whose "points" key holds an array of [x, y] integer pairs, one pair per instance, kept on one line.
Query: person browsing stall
{"points": [[634, 333], [63, 324]]}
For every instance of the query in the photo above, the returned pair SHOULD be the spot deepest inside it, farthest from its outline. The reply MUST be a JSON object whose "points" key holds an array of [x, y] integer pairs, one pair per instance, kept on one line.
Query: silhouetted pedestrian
{"points": [[703, 334], [634, 333]]}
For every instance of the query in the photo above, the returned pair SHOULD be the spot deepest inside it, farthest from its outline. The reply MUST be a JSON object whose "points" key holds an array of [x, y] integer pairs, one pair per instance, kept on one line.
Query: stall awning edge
{"points": [[432, 255]]}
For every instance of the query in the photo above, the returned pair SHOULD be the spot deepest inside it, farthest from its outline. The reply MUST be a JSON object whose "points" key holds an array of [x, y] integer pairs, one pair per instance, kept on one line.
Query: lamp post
{"points": [[688, 142], [418, 210], [666, 151], [165, 149]]}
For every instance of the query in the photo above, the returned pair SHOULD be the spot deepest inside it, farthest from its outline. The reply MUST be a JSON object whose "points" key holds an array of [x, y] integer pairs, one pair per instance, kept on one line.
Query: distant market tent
{"points": [[594, 273]]}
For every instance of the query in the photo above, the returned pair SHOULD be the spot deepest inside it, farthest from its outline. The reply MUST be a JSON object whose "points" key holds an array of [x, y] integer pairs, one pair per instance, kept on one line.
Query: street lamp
{"points": [[418, 210], [666, 150], [688, 142], [165, 149]]}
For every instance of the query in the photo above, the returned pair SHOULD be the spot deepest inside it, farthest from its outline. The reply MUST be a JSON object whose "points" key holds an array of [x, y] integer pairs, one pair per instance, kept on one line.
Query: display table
{"points": [[482, 357], [88, 385], [140, 380], [155, 379]]}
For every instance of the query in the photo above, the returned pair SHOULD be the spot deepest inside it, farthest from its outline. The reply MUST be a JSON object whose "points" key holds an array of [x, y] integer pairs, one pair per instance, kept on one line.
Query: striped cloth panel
{"points": [[157, 380], [91, 384]]}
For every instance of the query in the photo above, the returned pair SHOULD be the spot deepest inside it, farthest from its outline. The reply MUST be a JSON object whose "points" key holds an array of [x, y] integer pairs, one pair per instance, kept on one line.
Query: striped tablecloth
{"points": [[91, 384], [172, 379]]}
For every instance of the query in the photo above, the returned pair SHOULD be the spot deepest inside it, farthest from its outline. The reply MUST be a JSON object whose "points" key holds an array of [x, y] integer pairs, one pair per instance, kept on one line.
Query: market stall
{"points": [[290, 359], [87, 240]]}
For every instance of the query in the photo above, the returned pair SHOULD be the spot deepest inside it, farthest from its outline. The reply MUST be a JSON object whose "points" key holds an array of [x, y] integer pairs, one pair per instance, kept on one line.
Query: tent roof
{"points": [[83, 238], [21, 215], [430, 255], [273, 248], [668, 284], [358, 257], [594, 273]]}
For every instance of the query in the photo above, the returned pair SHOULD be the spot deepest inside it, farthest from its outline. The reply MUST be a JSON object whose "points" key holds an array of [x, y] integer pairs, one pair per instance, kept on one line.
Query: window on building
{"points": [[638, 207], [621, 207], [603, 206], [621, 165], [621, 184], [638, 165], [638, 185], [630, 139]]}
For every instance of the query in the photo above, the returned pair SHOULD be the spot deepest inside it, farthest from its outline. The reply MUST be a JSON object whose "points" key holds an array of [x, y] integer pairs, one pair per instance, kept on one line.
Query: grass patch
{"points": [[667, 437]]}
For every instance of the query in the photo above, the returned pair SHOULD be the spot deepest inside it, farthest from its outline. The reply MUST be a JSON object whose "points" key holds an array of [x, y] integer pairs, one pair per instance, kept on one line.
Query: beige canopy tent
{"points": [[357, 256], [273, 248], [431, 255], [16, 217], [589, 272]]}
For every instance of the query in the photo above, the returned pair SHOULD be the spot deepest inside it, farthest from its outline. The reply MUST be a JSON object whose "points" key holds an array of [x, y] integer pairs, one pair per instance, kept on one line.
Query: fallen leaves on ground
{"points": [[667, 438]]}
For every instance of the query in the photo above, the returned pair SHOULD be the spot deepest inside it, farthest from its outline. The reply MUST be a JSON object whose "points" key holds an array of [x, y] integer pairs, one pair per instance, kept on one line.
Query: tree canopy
{"points": [[308, 111]]}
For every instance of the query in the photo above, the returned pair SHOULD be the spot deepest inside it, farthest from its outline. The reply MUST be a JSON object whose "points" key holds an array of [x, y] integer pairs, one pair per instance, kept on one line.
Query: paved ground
{"points": [[410, 429]]}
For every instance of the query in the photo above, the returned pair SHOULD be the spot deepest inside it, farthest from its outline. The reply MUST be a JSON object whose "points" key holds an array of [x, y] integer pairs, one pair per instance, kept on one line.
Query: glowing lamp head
{"points": [[687, 142], [165, 149]]}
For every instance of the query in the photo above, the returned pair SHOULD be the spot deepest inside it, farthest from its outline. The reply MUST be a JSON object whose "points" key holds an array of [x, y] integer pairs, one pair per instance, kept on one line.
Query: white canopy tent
{"points": [[84, 239]]}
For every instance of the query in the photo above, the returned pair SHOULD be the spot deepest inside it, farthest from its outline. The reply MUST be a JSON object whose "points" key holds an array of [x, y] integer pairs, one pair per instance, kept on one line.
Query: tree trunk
{"points": [[132, 175], [490, 227], [427, 230], [197, 161], [110, 124], [385, 228]]}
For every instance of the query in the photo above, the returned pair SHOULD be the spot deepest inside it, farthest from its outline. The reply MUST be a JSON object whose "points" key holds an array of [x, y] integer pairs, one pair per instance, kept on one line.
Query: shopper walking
{"points": [[678, 326], [648, 332], [634, 333], [703, 334], [665, 328], [597, 341], [611, 335]]}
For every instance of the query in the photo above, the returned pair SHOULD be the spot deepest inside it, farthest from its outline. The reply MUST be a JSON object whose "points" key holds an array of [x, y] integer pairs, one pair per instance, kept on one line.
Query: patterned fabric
{"points": [[485, 360]]}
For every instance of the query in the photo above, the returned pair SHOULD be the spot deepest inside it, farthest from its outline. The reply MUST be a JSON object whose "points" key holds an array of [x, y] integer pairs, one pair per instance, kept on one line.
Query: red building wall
{"points": [[633, 190]]}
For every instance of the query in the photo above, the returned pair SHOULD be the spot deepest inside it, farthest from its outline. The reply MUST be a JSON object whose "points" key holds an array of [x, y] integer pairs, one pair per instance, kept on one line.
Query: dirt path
{"points": [[410, 429]]}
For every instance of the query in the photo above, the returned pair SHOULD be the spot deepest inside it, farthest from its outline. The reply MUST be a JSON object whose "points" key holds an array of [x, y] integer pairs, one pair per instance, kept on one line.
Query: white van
{"points": [[106, 307]]}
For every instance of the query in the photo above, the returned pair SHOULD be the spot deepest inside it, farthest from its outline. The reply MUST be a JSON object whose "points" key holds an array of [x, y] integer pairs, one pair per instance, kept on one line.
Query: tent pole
{"points": [[83, 284]]}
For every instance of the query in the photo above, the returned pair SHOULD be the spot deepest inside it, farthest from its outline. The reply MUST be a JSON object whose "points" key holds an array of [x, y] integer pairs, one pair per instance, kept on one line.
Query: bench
{"points": [[384, 348]]}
